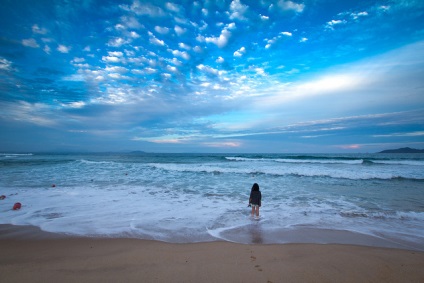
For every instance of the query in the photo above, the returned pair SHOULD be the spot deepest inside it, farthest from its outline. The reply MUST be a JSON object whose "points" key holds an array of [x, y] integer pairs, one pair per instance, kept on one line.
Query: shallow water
{"points": [[203, 197]]}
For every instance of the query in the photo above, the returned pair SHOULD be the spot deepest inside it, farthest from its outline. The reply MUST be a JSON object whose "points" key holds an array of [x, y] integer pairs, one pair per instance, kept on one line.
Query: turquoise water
{"points": [[203, 197]]}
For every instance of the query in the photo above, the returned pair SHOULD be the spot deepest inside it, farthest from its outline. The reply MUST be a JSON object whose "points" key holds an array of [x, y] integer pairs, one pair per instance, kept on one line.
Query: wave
{"points": [[398, 162], [328, 160], [84, 161], [283, 171], [293, 160], [10, 155], [399, 215]]}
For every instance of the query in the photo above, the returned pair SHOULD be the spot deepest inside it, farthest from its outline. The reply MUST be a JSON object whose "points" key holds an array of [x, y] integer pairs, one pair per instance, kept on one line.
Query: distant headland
{"points": [[403, 150]]}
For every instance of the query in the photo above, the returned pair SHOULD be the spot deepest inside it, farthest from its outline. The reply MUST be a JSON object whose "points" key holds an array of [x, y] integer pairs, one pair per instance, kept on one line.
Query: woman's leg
{"points": [[257, 211], [253, 210]]}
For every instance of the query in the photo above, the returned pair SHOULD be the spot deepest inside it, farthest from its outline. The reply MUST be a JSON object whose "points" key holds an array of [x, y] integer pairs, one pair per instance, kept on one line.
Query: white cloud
{"points": [[133, 34], [119, 27], [182, 54], [116, 42], [360, 14], [155, 41], [260, 71], [208, 69], [36, 29], [240, 52], [238, 10], [179, 30], [331, 24], [5, 64], [173, 7], [150, 70], [184, 46], [264, 18], [286, 33], [131, 22], [222, 40], [47, 49], [78, 60], [145, 9], [303, 39], [63, 49], [115, 53], [289, 5], [116, 69], [161, 30], [30, 43], [220, 60], [110, 59], [205, 12], [171, 69]]}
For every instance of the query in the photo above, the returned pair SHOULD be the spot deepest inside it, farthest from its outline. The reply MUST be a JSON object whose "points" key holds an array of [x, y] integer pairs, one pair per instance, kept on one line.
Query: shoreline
{"points": [[36, 256], [247, 235]]}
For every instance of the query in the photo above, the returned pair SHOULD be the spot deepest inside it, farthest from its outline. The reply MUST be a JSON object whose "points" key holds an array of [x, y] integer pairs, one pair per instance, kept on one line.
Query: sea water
{"points": [[203, 197]]}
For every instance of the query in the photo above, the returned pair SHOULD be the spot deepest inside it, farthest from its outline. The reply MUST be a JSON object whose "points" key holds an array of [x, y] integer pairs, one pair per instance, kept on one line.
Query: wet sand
{"points": [[30, 255]]}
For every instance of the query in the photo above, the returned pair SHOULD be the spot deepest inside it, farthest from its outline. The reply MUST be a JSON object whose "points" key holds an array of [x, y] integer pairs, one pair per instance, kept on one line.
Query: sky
{"points": [[312, 76]]}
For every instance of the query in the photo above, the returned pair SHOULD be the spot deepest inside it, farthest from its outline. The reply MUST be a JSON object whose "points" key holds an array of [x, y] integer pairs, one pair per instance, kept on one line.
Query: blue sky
{"points": [[211, 76]]}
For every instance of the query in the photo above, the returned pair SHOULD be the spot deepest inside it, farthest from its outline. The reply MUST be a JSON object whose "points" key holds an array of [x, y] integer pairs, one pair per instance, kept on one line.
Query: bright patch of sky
{"points": [[211, 76]]}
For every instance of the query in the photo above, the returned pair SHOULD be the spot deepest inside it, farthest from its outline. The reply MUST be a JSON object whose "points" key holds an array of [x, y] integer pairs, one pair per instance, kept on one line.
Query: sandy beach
{"points": [[29, 255]]}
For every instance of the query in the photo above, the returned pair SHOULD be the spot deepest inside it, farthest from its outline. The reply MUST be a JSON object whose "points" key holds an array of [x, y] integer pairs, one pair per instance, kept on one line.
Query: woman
{"points": [[255, 199]]}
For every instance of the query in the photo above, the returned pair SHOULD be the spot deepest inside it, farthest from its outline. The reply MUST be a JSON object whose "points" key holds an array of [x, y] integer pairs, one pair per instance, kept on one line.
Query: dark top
{"points": [[256, 197]]}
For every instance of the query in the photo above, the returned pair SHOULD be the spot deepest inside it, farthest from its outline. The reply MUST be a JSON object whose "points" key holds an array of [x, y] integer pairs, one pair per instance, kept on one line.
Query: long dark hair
{"points": [[255, 187]]}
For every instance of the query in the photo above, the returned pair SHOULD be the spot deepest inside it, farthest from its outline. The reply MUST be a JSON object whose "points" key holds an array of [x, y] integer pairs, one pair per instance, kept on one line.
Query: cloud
{"points": [[290, 6], [179, 30], [145, 9], [47, 49], [173, 7], [358, 15], [407, 134], [131, 22], [240, 52], [237, 10], [222, 40], [182, 54], [34, 113], [331, 24], [111, 59], [208, 69], [155, 41], [5, 65], [133, 34], [184, 46], [117, 42], [63, 49], [37, 30], [272, 41], [220, 60], [161, 30], [30, 42], [222, 144]]}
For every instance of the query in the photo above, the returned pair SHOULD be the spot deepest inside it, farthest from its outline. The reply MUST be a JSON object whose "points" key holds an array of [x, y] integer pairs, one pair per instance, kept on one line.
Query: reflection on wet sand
{"points": [[255, 232]]}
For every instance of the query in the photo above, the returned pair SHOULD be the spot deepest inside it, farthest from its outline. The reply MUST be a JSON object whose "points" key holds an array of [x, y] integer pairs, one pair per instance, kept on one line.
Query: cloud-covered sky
{"points": [[211, 76]]}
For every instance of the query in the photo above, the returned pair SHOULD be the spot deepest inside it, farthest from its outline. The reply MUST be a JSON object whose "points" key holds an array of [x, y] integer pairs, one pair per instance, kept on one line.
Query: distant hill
{"points": [[403, 150]]}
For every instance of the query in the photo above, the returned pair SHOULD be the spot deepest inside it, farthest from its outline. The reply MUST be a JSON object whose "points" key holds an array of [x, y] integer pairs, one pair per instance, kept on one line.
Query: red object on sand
{"points": [[2, 197], [17, 206]]}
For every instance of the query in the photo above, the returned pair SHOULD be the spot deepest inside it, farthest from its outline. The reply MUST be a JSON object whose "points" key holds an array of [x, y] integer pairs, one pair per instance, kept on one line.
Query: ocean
{"points": [[375, 199]]}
